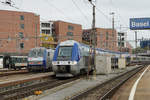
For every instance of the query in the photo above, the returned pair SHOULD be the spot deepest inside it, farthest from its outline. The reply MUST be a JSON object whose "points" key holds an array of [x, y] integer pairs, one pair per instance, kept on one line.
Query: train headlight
{"points": [[54, 62], [39, 62], [73, 62], [30, 62]]}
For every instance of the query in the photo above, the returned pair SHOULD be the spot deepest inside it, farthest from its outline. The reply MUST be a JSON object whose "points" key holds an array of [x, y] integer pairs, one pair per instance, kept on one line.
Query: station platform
{"points": [[136, 88], [64, 92]]}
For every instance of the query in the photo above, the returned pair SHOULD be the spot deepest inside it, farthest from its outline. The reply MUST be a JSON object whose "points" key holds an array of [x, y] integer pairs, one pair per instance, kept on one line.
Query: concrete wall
{"points": [[121, 63], [103, 65]]}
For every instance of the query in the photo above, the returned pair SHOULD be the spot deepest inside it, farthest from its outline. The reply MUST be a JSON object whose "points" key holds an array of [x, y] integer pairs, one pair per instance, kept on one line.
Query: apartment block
{"points": [[19, 31], [105, 38], [67, 31]]}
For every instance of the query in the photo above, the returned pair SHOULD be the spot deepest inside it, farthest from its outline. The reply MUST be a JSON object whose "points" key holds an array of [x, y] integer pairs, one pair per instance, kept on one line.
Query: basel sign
{"points": [[139, 23]]}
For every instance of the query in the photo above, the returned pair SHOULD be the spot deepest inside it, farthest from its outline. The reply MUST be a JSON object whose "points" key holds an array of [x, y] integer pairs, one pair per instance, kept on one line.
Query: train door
{"points": [[7, 62]]}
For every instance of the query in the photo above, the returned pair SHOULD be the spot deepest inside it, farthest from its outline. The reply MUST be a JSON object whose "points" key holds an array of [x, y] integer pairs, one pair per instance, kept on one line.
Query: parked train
{"points": [[70, 59], [13, 62], [40, 58], [140, 60]]}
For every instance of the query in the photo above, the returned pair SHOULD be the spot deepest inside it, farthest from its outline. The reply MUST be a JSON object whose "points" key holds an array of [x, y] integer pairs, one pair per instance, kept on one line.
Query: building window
{"points": [[22, 26], [106, 44], [106, 35], [45, 24], [113, 35], [122, 44], [35, 27], [46, 31], [21, 17], [21, 45], [21, 35], [70, 27], [69, 33]]}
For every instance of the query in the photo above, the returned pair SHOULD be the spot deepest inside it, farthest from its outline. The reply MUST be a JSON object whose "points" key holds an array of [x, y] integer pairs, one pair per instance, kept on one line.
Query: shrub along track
{"points": [[105, 90]]}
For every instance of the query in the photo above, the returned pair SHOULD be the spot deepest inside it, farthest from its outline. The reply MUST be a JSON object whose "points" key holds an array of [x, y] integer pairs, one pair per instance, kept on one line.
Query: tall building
{"points": [[106, 38], [67, 31], [19, 31]]}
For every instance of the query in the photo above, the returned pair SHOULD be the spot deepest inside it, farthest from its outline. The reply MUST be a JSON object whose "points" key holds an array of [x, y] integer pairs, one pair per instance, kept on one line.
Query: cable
{"points": [[80, 10], [58, 10], [118, 13], [103, 14]]}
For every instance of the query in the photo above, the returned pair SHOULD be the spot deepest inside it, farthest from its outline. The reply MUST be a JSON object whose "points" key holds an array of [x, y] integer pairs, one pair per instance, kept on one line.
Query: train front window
{"points": [[65, 51], [40, 52], [32, 53], [36, 53], [1, 57]]}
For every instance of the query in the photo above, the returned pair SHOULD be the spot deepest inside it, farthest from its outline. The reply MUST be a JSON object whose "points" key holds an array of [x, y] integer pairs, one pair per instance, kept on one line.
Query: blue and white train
{"points": [[40, 58], [70, 59]]}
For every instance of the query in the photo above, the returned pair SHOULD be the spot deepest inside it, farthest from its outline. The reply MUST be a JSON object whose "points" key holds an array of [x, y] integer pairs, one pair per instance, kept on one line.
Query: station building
{"points": [[19, 31], [105, 39]]}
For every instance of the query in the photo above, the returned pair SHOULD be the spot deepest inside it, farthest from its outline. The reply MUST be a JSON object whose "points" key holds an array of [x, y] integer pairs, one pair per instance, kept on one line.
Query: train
{"points": [[13, 62], [71, 58], [40, 59], [140, 60]]}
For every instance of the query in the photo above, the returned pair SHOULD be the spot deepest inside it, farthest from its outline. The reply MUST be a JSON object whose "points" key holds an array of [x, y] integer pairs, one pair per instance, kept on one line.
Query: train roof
{"points": [[86, 48], [68, 43]]}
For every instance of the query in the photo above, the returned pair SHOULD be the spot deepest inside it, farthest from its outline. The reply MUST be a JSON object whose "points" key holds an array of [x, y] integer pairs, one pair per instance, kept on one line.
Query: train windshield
{"points": [[1, 57], [40, 52], [36, 53], [32, 53], [65, 51]]}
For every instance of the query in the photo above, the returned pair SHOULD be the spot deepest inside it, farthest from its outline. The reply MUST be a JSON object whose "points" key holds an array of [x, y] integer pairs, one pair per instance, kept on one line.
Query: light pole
{"points": [[113, 22], [120, 43], [136, 44], [113, 26], [93, 36]]}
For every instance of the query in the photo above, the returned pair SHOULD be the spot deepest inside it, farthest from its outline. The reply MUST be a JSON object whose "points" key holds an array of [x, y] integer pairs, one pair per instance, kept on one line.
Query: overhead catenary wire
{"points": [[59, 10], [103, 14], [86, 18], [124, 22]]}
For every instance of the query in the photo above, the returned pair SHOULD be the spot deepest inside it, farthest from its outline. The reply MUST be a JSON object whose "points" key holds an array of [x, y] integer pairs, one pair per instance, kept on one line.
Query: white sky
{"points": [[67, 10]]}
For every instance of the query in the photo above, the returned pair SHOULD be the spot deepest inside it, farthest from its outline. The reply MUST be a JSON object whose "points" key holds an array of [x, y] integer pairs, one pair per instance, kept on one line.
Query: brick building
{"points": [[18, 31], [65, 31], [129, 46], [106, 38]]}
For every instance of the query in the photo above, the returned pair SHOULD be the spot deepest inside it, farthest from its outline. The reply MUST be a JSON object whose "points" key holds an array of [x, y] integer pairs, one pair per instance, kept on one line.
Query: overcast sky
{"points": [[80, 12]]}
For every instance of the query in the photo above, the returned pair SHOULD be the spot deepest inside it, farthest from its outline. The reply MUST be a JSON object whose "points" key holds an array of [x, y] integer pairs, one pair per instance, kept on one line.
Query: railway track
{"points": [[25, 91], [12, 72], [105, 90]]}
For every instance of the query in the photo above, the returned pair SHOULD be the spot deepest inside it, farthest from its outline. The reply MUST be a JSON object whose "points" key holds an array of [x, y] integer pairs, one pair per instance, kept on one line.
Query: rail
{"points": [[105, 90]]}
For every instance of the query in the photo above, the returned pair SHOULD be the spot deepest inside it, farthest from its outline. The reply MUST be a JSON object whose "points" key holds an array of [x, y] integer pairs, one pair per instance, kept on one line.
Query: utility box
{"points": [[103, 64], [121, 63]]}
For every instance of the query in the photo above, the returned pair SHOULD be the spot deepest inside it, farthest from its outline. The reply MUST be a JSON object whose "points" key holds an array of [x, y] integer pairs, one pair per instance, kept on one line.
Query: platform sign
{"points": [[139, 23]]}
